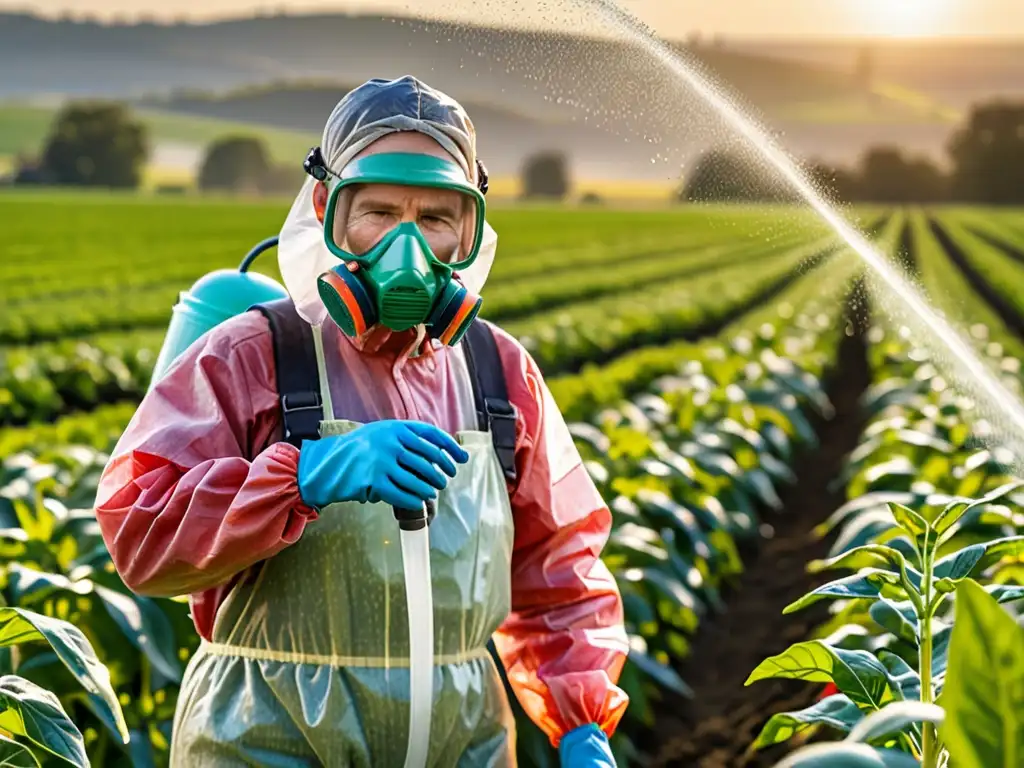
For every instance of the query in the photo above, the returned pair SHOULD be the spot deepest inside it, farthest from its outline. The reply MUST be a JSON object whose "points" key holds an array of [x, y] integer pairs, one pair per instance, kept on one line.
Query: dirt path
{"points": [[715, 729]]}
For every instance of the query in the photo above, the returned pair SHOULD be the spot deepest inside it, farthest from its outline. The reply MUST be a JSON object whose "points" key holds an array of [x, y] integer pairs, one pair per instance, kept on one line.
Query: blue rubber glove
{"points": [[390, 461], [585, 747]]}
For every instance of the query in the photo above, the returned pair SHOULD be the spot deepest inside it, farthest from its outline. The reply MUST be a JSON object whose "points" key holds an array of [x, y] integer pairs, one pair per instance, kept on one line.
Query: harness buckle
{"points": [[302, 413]]}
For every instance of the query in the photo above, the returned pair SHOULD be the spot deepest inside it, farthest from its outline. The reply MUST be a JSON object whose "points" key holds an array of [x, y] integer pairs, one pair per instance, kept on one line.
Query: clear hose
{"points": [[416, 566]]}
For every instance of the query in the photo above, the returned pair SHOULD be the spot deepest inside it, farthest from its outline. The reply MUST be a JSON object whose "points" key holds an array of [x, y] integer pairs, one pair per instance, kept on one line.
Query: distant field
{"points": [[23, 129], [179, 139]]}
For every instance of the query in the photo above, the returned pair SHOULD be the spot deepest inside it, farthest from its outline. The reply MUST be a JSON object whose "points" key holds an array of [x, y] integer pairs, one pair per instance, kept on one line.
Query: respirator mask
{"points": [[399, 282]]}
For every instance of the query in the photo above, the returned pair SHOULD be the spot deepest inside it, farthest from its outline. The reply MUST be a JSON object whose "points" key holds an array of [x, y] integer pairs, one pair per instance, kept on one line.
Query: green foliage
{"points": [[34, 725], [95, 144], [546, 175], [984, 692], [724, 175], [58, 574], [234, 163], [988, 152]]}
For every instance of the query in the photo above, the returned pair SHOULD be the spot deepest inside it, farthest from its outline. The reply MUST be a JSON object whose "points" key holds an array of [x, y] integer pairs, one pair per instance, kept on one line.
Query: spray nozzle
{"points": [[415, 519]]}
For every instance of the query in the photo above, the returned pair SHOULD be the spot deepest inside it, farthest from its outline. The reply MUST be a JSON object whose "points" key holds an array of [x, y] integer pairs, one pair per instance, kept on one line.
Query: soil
{"points": [[716, 727]]}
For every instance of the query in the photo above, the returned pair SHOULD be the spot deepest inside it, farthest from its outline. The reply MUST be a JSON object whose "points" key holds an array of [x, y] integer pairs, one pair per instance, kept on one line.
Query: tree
{"points": [[95, 144], [988, 155], [723, 176], [887, 176], [235, 163], [546, 174], [841, 184]]}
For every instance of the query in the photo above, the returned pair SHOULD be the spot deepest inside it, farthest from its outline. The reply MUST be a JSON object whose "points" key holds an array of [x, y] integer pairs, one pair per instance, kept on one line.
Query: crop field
{"points": [[799, 493]]}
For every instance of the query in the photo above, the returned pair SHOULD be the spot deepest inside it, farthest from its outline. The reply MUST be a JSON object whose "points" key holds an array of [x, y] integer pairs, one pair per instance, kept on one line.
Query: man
{"points": [[289, 554]]}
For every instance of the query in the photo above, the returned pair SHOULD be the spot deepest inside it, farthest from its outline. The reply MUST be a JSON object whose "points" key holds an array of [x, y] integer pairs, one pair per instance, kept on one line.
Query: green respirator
{"points": [[399, 282]]}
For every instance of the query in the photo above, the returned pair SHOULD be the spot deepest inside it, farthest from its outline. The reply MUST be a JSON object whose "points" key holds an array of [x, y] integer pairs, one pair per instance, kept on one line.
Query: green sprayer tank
{"points": [[214, 298]]}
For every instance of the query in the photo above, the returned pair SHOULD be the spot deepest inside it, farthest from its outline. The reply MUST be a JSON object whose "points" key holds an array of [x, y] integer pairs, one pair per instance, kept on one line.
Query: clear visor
{"points": [[376, 194], [365, 213]]}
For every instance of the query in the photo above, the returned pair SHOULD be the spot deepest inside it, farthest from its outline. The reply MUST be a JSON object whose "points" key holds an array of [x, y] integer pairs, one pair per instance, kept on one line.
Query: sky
{"points": [[669, 18]]}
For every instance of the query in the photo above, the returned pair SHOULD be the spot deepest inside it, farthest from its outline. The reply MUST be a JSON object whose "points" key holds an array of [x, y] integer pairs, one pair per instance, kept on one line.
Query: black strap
{"points": [[298, 380], [495, 413]]}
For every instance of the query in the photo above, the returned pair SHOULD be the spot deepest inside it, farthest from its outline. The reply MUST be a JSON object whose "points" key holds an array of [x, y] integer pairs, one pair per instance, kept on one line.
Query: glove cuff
{"points": [[576, 735]]}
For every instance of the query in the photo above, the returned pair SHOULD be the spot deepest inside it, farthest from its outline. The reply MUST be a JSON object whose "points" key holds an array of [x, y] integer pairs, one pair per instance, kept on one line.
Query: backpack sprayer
{"points": [[220, 295]]}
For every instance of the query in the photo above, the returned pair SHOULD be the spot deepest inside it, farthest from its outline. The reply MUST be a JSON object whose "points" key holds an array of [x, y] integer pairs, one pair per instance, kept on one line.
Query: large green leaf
{"points": [[1005, 593], [836, 711], [1010, 549], [847, 755], [858, 674], [905, 677], [146, 626], [869, 583], [37, 714], [893, 718], [955, 509], [71, 646], [959, 564], [909, 520], [900, 618], [15, 755], [29, 586], [984, 691]]}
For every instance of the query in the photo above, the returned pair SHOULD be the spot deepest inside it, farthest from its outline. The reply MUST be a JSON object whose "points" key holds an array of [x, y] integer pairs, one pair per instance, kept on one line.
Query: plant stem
{"points": [[929, 750]]}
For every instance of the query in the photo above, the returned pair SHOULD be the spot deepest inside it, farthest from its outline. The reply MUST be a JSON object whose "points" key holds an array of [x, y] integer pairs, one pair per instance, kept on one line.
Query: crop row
{"points": [[952, 295], [990, 270], [41, 381], [60, 317], [107, 244], [933, 507]]}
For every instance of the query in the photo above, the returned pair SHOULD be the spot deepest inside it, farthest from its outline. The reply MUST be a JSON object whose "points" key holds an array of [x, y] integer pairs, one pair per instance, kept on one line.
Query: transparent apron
{"points": [[309, 660]]}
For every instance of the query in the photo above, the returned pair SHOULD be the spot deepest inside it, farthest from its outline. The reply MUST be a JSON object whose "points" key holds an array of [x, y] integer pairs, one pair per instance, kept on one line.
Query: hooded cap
{"points": [[365, 114]]}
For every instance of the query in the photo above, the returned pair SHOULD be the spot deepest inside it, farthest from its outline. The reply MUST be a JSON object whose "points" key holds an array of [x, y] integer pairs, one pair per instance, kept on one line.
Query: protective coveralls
{"points": [[301, 609]]}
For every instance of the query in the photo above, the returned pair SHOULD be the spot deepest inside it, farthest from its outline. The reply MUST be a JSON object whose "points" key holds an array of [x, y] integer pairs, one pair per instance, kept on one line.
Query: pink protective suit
{"points": [[200, 487]]}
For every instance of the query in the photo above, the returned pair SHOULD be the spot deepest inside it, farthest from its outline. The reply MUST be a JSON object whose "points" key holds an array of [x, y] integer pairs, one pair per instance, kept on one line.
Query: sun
{"points": [[904, 18]]}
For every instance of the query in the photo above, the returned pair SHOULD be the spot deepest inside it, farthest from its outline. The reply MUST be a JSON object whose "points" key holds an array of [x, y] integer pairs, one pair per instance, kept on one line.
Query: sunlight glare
{"points": [[904, 18]]}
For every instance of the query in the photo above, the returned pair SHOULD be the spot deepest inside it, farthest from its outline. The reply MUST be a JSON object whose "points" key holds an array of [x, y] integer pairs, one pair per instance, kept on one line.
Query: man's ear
{"points": [[320, 200]]}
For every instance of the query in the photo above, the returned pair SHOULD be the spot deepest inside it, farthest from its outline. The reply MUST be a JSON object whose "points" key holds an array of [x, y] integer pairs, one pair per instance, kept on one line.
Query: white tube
{"points": [[416, 565]]}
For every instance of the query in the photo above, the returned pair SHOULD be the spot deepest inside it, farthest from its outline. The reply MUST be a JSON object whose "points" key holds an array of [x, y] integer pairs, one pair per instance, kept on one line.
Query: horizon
{"points": [[899, 22]]}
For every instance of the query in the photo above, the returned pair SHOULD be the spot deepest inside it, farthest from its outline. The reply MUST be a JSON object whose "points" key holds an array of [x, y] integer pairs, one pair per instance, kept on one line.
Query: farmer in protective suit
{"points": [[290, 553]]}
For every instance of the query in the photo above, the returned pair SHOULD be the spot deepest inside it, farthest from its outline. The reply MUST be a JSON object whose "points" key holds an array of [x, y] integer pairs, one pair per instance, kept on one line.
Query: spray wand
{"points": [[413, 525]]}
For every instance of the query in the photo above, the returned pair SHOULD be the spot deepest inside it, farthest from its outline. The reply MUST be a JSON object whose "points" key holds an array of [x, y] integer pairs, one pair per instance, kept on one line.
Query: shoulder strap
{"points": [[495, 413], [298, 381]]}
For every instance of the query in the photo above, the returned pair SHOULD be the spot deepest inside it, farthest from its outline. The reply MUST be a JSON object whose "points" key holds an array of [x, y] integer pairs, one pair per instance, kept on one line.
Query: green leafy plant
{"points": [[984, 693], [979, 720], [908, 577], [34, 725], [54, 562]]}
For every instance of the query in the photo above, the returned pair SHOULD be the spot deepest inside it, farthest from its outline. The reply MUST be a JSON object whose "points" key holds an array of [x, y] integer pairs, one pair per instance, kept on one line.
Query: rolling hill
{"points": [[612, 108]]}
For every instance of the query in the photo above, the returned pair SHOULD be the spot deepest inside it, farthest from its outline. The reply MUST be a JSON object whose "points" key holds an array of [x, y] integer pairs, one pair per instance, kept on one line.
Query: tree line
{"points": [[103, 144], [986, 167]]}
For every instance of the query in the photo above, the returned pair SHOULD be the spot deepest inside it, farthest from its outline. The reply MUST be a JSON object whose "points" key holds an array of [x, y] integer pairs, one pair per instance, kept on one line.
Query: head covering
{"points": [[375, 109]]}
